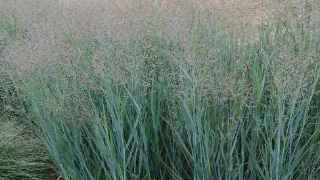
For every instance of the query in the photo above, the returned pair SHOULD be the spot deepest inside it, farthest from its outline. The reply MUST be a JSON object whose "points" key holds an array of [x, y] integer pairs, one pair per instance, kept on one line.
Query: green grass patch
{"points": [[22, 154]]}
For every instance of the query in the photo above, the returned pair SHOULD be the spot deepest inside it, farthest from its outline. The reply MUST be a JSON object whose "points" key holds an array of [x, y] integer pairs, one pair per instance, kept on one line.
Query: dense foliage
{"points": [[139, 96]]}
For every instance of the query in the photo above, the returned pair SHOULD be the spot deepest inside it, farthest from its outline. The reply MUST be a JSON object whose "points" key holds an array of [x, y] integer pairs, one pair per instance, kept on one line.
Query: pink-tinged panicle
{"points": [[57, 33]]}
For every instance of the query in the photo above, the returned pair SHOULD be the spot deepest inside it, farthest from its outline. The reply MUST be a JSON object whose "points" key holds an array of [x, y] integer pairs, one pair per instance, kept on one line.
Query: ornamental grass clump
{"points": [[168, 89]]}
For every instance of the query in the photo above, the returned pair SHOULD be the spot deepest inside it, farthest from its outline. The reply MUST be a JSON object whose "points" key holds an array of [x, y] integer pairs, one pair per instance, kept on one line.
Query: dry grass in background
{"points": [[124, 19]]}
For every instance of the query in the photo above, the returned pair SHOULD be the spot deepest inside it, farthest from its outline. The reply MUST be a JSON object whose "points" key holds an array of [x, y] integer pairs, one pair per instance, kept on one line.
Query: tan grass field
{"points": [[101, 18]]}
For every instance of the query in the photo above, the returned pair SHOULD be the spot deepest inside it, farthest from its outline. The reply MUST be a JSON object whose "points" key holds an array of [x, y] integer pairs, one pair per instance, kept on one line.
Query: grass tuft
{"points": [[167, 90]]}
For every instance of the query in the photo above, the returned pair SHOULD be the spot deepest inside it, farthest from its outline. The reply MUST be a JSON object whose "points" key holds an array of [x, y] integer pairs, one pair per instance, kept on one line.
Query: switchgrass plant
{"points": [[168, 90]]}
